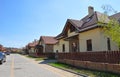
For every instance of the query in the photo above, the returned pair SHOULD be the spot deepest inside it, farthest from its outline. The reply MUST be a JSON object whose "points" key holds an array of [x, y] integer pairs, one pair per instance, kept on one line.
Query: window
{"points": [[108, 44], [56, 51], [72, 28], [89, 45], [63, 47]]}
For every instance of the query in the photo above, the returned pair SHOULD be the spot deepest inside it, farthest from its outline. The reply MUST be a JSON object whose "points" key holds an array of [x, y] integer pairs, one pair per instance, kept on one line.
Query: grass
{"points": [[35, 58], [91, 73]]}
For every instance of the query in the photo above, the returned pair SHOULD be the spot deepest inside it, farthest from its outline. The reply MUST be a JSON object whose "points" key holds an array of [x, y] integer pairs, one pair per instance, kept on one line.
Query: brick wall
{"points": [[115, 68]]}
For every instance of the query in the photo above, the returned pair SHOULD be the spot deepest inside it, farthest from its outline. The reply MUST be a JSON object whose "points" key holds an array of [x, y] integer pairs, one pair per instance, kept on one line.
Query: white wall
{"points": [[99, 40], [103, 43], [59, 46], [94, 35]]}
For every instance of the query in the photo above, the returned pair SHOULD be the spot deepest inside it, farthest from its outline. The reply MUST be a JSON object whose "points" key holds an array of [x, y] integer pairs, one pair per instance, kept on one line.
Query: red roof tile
{"points": [[33, 44], [48, 39]]}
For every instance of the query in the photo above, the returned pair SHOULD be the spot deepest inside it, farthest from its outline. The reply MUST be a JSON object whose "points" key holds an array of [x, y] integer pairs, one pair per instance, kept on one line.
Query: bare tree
{"points": [[108, 9]]}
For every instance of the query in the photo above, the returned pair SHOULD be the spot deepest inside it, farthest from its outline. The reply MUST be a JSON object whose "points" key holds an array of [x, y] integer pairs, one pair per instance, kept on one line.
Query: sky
{"points": [[22, 21]]}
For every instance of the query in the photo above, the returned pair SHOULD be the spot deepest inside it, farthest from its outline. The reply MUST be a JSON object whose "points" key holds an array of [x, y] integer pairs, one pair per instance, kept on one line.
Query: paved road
{"points": [[19, 66]]}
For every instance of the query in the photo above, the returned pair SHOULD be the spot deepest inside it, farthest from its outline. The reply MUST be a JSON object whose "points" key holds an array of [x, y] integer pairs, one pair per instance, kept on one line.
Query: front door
{"points": [[74, 44]]}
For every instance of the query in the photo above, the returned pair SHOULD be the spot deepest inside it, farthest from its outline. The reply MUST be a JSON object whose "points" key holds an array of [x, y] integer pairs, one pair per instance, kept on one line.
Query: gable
{"points": [[86, 23], [69, 27], [41, 41]]}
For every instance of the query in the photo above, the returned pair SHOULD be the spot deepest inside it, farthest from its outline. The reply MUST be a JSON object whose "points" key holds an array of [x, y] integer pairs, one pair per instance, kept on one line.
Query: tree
{"points": [[111, 28], [108, 9]]}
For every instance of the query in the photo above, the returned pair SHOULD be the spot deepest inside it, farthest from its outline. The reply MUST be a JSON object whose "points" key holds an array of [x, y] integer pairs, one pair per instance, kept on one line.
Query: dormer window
{"points": [[88, 19], [72, 28]]}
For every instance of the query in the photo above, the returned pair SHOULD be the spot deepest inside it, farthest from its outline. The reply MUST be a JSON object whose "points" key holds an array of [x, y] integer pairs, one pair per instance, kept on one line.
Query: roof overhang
{"points": [[88, 28], [70, 37]]}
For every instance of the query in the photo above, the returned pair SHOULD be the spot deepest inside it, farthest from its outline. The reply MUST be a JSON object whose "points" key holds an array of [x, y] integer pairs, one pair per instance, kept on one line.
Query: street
{"points": [[20, 66]]}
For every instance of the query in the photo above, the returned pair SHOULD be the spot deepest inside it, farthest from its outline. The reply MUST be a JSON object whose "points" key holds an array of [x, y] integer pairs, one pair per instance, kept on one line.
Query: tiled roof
{"points": [[48, 39], [33, 44], [91, 20], [59, 36], [76, 23], [116, 16], [87, 22], [102, 17]]}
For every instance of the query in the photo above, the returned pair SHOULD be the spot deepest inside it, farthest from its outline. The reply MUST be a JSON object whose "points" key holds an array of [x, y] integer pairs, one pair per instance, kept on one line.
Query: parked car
{"points": [[7, 52], [2, 57]]}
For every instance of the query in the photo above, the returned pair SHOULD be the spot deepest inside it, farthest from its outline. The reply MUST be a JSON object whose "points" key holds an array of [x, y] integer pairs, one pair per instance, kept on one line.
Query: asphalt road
{"points": [[19, 66]]}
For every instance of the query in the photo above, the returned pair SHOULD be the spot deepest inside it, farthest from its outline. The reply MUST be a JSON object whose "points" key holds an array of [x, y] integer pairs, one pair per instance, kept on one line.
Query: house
{"points": [[2, 48], [85, 34], [31, 47], [46, 43]]}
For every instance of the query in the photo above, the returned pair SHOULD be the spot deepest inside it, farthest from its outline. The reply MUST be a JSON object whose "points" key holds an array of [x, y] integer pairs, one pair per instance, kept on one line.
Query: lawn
{"points": [[35, 58], [91, 73]]}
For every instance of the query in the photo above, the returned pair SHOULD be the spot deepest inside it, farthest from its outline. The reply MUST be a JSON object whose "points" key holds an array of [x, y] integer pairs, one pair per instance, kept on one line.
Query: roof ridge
{"points": [[47, 36]]}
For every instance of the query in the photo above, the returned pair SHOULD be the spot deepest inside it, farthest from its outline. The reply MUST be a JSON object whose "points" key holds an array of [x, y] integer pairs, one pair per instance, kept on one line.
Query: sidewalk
{"points": [[62, 72], [44, 65]]}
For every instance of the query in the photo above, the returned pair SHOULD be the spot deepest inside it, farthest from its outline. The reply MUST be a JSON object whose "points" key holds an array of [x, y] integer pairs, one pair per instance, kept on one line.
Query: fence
{"points": [[48, 55], [103, 56]]}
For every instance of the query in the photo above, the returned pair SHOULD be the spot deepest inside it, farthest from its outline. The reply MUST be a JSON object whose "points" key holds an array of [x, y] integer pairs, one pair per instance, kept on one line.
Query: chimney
{"points": [[90, 10]]}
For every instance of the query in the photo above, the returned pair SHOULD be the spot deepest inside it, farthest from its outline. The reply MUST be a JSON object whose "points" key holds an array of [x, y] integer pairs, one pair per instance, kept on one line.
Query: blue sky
{"points": [[22, 21]]}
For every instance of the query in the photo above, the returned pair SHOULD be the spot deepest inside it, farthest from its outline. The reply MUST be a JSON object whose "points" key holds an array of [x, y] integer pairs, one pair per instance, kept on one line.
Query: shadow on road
{"points": [[47, 61]]}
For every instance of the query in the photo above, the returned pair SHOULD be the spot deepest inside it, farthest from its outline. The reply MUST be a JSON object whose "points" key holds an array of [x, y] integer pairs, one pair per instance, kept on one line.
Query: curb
{"points": [[71, 71], [68, 70]]}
